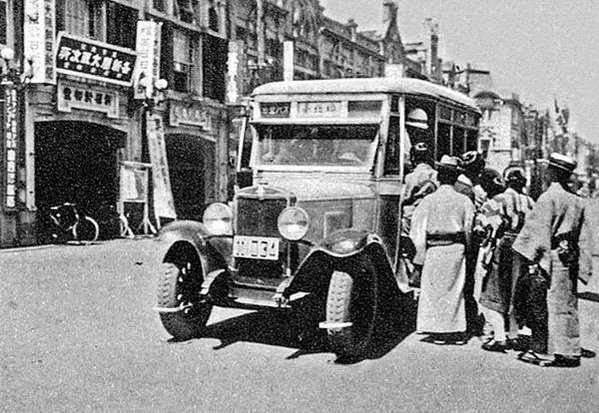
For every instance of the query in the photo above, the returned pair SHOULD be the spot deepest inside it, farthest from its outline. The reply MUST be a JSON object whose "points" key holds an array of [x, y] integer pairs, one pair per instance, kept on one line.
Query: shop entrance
{"points": [[78, 162], [187, 157]]}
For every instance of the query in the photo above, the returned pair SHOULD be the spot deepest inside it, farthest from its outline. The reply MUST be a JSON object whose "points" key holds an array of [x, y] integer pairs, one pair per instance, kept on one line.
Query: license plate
{"points": [[262, 248]]}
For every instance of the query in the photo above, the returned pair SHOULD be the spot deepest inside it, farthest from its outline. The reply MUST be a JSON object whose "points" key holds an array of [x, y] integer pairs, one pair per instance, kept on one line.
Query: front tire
{"points": [[178, 288], [351, 310]]}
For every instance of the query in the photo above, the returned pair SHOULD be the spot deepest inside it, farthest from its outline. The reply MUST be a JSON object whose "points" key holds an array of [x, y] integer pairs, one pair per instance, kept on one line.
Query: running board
{"points": [[171, 309], [324, 324]]}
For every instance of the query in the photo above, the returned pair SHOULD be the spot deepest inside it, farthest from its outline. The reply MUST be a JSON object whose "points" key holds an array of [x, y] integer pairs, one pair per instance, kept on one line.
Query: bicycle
{"points": [[69, 224]]}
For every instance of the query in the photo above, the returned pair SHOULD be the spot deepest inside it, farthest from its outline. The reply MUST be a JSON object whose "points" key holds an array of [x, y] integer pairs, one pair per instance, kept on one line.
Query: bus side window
{"points": [[392, 149], [443, 140]]}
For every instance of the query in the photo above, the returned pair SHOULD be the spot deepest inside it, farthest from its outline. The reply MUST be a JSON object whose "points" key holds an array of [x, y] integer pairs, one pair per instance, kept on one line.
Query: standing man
{"points": [[473, 164], [557, 240], [506, 267], [422, 181], [441, 229]]}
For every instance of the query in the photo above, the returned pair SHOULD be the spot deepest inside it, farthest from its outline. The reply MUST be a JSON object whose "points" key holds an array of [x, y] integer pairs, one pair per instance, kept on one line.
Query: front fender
{"points": [[343, 250], [214, 252]]}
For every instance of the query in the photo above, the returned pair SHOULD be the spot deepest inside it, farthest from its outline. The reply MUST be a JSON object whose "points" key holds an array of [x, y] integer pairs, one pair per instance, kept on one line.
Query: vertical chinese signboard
{"points": [[11, 147], [148, 58], [164, 205], [38, 39]]}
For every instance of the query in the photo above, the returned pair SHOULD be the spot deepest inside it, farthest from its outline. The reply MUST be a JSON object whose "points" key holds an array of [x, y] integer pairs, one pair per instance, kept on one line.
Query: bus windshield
{"points": [[321, 145]]}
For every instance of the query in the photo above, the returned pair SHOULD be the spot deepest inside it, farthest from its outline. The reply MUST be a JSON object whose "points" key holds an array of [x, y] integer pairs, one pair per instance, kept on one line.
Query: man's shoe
{"points": [[495, 346], [563, 361], [521, 343], [587, 354], [537, 359]]}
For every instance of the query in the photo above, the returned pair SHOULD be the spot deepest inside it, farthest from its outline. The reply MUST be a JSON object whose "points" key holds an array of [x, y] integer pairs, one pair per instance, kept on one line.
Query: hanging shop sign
{"points": [[184, 114], [94, 60], [164, 204], [11, 145], [38, 40], [148, 58], [70, 97], [134, 182]]}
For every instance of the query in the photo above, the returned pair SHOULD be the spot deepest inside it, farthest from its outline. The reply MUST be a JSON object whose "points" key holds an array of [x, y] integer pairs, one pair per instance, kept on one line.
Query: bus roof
{"points": [[366, 85]]}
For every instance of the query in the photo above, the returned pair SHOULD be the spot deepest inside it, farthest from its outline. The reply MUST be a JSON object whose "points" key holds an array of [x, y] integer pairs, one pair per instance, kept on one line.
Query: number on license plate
{"points": [[263, 248]]}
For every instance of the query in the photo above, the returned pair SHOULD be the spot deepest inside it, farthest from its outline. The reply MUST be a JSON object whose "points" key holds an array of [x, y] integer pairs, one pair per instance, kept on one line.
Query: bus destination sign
{"points": [[331, 109], [274, 109]]}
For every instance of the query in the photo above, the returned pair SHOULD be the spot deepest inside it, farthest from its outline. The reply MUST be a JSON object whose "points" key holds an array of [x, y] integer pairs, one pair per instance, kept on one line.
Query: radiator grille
{"points": [[259, 217]]}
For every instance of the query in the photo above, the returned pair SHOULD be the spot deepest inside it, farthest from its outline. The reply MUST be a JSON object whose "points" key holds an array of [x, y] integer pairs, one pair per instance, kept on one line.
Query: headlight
{"points": [[293, 223], [217, 219]]}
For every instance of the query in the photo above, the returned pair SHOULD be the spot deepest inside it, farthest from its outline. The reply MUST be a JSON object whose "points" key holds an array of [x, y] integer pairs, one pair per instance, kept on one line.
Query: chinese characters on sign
{"points": [[85, 98], [95, 60], [274, 110], [320, 109], [148, 57], [38, 36], [183, 114], [10, 146]]}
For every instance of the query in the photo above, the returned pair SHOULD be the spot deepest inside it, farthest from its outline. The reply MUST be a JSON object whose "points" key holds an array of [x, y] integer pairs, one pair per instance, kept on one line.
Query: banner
{"points": [[134, 182], [38, 40], [148, 58], [11, 146], [164, 205]]}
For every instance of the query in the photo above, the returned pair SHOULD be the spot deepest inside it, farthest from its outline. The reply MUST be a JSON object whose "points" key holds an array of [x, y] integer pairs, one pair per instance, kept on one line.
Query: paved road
{"points": [[77, 334]]}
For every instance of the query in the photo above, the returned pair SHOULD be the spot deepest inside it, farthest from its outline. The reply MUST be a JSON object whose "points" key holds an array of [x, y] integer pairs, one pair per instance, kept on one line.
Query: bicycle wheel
{"points": [[86, 229]]}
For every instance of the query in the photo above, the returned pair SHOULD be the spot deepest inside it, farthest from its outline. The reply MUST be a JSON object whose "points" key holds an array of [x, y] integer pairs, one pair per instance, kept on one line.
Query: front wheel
{"points": [[181, 312], [86, 229], [351, 310]]}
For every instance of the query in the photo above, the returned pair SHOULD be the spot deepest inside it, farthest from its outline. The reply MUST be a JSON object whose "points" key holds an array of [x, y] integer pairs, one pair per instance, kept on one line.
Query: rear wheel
{"points": [[350, 312], [86, 229], [178, 291]]}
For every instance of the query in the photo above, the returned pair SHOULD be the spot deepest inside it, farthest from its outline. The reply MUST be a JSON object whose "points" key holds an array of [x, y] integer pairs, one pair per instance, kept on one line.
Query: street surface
{"points": [[78, 334]]}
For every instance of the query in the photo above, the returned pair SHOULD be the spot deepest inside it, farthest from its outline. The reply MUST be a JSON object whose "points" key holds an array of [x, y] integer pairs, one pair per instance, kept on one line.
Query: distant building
{"points": [[501, 128]]}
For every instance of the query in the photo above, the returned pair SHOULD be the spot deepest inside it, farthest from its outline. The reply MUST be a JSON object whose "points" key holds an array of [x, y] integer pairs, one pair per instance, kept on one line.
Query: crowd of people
{"points": [[489, 261]]}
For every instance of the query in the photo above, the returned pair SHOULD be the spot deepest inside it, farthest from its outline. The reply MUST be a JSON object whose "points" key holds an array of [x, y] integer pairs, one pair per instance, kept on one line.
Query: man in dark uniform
{"points": [[556, 239], [472, 164]]}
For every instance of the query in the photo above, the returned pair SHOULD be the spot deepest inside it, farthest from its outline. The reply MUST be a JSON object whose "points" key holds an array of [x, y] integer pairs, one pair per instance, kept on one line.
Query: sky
{"points": [[542, 50]]}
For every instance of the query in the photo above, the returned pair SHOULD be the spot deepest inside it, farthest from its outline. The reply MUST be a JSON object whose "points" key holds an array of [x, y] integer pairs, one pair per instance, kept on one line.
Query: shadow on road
{"points": [[299, 329]]}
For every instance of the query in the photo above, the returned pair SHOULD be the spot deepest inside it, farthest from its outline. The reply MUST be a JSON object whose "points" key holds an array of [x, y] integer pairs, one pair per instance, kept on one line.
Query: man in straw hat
{"points": [[556, 239], [441, 229]]}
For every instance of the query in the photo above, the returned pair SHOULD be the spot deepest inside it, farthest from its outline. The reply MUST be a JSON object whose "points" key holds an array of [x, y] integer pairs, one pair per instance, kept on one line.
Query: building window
{"points": [[214, 67], [159, 5], [123, 20], [184, 10], [90, 18], [213, 23], [81, 18], [184, 47], [3, 22]]}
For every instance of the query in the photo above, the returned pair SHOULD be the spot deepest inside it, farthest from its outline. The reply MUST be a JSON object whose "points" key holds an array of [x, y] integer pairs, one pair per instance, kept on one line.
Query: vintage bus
{"points": [[317, 212]]}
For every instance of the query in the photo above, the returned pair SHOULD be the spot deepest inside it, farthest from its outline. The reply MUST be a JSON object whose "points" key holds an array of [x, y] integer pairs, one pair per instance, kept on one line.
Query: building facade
{"points": [[125, 102], [90, 114], [502, 131]]}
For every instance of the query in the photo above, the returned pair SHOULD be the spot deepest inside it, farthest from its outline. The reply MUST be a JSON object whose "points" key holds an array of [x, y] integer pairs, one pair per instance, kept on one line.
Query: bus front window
{"points": [[302, 145]]}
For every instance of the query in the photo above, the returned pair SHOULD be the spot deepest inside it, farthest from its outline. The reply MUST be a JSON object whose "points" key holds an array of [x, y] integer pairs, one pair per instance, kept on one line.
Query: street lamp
{"points": [[153, 92], [12, 75]]}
